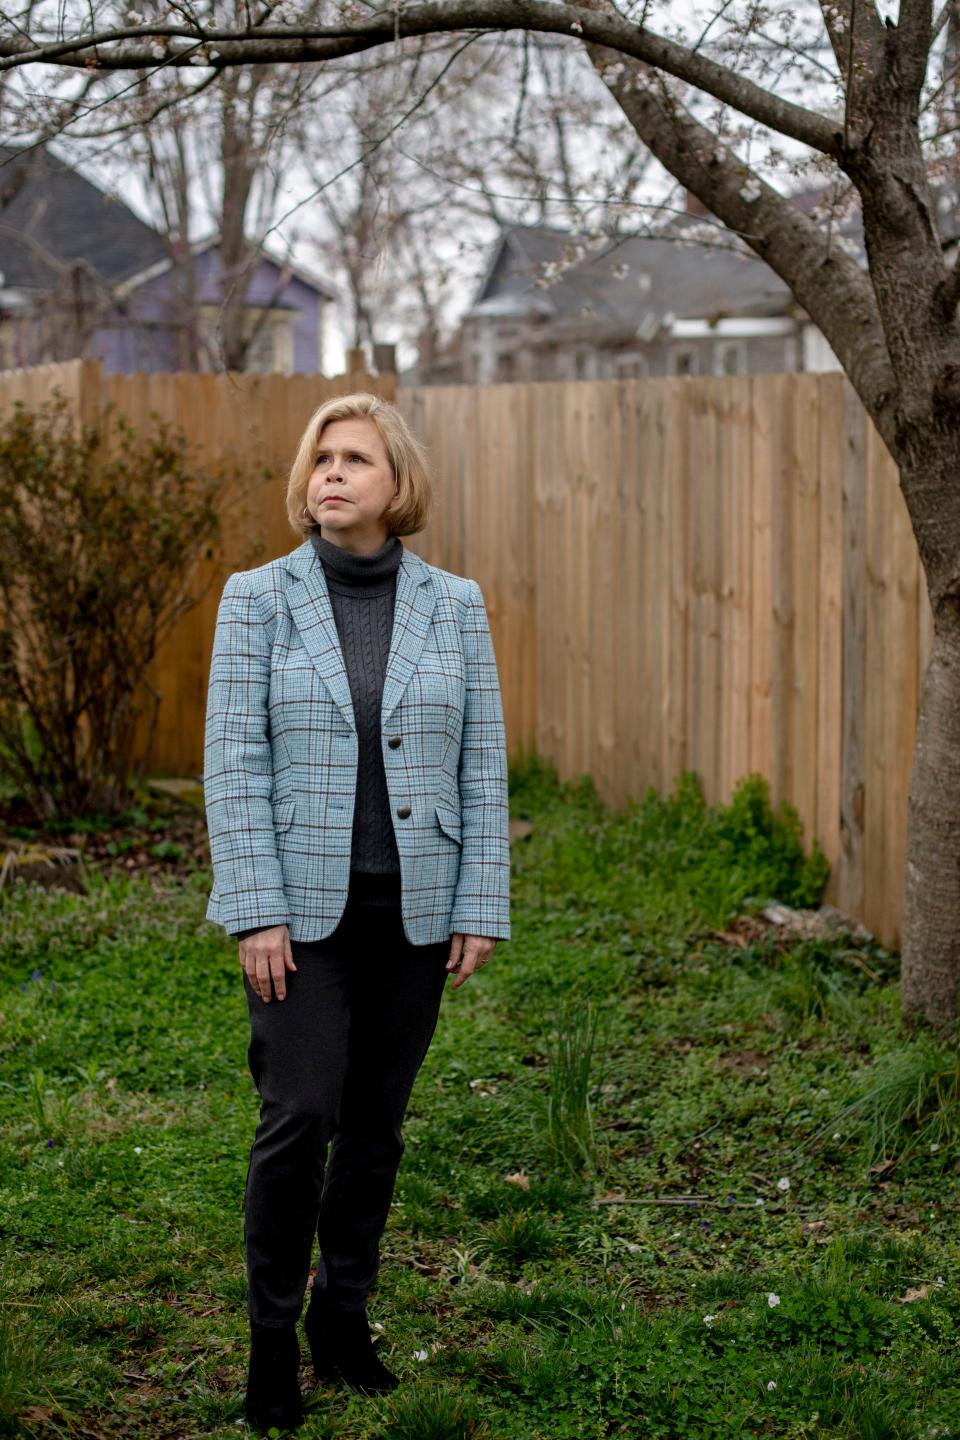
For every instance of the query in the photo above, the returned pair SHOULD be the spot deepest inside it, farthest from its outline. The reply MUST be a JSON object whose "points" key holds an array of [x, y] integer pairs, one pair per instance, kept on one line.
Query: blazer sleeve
{"points": [[481, 903], [238, 767]]}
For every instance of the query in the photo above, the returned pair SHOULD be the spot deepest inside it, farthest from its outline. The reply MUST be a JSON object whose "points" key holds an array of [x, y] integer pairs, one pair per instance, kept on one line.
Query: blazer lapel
{"points": [[312, 613]]}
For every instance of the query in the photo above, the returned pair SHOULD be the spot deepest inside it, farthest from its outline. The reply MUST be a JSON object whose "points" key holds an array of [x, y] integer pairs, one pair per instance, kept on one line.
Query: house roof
{"points": [[54, 216], [149, 272], [623, 281], [619, 284]]}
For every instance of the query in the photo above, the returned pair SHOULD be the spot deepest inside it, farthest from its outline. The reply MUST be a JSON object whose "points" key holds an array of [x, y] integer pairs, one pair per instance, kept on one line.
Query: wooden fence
{"points": [[708, 573]]}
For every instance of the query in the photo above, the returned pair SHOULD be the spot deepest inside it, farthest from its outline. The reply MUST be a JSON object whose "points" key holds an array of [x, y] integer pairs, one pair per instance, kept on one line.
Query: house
{"points": [[555, 306], [82, 276]]}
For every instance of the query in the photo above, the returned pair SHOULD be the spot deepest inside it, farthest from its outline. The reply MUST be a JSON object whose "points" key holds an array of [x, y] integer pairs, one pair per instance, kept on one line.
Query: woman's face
{"points": [[351, 468]]}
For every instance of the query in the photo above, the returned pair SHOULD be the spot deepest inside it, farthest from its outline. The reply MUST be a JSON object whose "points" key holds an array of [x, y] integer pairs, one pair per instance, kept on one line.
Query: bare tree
{"points": [[875, 110]]}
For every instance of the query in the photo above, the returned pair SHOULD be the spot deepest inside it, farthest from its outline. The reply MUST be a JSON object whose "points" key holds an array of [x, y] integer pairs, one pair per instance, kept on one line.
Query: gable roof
{"points": [[621, 283], [200, 247], [69, 218], [55, 214]]}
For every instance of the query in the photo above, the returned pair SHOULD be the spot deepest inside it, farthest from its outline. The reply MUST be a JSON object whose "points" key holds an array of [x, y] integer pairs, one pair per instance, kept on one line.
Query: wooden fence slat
{"points": [[829, 649]]}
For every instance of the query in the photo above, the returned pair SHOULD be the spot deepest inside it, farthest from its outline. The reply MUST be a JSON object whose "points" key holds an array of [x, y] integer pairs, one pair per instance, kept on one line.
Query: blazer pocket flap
{"points": [[449, 821], [284, 811]]}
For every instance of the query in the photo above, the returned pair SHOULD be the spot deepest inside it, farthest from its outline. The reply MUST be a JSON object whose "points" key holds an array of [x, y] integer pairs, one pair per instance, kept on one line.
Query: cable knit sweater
{"points": [[362, 591]]}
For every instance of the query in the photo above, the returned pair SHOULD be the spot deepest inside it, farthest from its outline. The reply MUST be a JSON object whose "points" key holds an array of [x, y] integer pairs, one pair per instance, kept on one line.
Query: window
{"points": [[683, 360], [270, 352], [730, 357]]}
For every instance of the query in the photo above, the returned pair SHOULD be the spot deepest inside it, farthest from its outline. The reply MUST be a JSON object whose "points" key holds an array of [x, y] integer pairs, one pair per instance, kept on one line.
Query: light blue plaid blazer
{"points": [[281, 751]]}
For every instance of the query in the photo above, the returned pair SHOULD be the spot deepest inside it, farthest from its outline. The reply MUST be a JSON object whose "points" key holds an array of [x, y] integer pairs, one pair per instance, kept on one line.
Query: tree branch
{"points": [[219, 48], [828, 284]]}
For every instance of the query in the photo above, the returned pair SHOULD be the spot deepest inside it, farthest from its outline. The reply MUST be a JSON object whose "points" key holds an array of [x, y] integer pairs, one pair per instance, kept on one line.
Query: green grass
{"points": [[804, 1282]]}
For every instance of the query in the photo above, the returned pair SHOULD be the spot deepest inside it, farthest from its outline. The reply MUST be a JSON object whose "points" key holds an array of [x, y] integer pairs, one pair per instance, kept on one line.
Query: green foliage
{"points": [[767, 849], [676, 851], [38, 1372], [831, 1315], [571, 1078], [909, 1101], [431, 1413], [515, 1238]]}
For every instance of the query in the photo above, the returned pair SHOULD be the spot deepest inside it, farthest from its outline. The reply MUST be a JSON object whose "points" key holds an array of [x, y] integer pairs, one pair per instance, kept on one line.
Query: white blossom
{"points": [[783, 1183], [773, 1299]]}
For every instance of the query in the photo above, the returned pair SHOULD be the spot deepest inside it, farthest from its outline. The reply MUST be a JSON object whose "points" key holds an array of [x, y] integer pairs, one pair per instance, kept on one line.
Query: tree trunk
{"points": [[930, 961]]}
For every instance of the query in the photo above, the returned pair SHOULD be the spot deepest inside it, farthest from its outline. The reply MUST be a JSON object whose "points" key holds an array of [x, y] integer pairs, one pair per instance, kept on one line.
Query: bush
{"points": [[98, 551]]}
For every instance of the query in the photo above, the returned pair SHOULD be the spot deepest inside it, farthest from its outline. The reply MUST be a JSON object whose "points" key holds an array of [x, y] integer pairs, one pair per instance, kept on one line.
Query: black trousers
{"points": [[334, 1064]]}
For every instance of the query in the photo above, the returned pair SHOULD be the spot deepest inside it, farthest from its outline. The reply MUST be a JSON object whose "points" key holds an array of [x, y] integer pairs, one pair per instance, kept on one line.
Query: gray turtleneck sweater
{"points": [[362, 591]]}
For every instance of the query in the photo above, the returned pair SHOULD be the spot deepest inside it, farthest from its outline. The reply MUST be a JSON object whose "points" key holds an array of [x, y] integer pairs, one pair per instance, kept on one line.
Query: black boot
{"points": [[341, 1345], [273, 1391]]}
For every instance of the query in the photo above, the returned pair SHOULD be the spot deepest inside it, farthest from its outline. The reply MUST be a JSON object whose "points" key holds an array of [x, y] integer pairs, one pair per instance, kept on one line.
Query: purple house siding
{"points": [[141, 336]]}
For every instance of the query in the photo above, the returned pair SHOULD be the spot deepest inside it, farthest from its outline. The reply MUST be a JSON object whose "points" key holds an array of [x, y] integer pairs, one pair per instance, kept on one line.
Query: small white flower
{"points": [[934, 1146], [938, 1282], [771, 1384], [709, 1319], [773, 1299], [576, 27], [421, 1354], [783, 1183], [836, 1134], [751, 191], [138, 1149], [759, 1201]]}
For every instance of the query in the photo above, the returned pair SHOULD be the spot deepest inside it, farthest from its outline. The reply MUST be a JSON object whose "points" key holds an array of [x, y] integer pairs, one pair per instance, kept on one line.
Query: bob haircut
{"points": [[409, 512]]}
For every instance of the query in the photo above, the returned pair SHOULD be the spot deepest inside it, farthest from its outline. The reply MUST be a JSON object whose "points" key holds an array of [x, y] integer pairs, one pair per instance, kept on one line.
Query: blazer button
{"points": [[394, 741], [404, 811]]}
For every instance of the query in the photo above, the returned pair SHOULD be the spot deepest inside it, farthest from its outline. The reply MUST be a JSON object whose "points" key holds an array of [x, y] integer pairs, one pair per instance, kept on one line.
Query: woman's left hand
{"points": [[467, 954]]}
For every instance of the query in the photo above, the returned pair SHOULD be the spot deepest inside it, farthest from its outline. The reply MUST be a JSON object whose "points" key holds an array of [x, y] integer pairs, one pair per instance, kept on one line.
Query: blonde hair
{"points": [[408, 513]]}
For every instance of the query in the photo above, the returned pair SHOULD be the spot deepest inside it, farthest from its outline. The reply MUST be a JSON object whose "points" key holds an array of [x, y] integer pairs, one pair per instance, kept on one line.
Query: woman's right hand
{"points": [[266, 957]]}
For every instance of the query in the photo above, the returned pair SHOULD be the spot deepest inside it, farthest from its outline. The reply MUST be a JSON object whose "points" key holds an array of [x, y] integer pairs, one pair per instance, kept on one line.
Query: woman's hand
{"points": [[266, 957], [468, 953]]}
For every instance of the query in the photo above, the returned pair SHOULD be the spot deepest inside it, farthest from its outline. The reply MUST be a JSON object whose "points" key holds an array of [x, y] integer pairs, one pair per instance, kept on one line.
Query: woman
{"points": [[355, 780]]}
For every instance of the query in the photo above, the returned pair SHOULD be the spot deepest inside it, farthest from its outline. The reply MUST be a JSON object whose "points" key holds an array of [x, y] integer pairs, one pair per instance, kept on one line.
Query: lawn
{"points": [[671, 1171]]}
